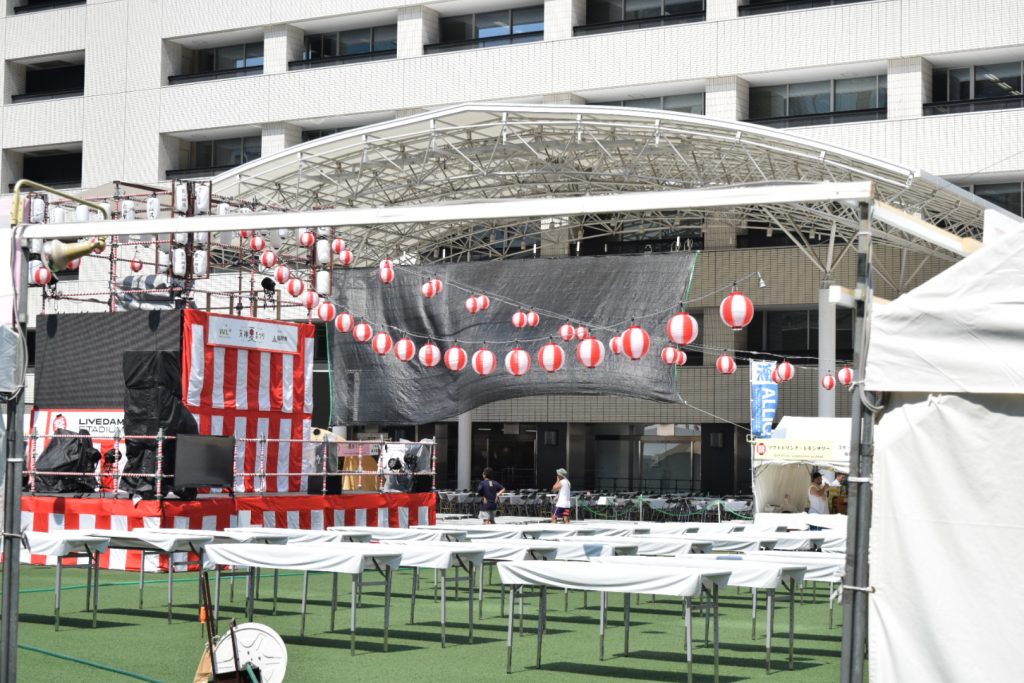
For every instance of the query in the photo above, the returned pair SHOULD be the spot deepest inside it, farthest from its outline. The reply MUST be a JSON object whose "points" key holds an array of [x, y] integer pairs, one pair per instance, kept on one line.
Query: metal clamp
{"points": [[862, 589]]}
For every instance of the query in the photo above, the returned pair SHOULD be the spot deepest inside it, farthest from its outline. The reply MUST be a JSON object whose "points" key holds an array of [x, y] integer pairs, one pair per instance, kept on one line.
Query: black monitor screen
{"points": [[204, 461]]}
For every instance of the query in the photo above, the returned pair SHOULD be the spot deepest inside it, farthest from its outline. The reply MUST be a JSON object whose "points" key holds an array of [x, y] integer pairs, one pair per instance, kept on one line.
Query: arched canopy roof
{"points": [[506, 151]]}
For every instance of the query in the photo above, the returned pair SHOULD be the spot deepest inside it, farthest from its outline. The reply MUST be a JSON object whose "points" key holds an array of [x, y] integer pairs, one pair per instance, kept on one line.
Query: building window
{"points": [[308, 135], [345, 47], [49, 80], [40, 5], [229, 61], [687, 104], [794, 334], [487, 29], [607, 16], [55, 168], [210, 157], [1007, 196], [772, 6], [984, 87], [819, 102]]}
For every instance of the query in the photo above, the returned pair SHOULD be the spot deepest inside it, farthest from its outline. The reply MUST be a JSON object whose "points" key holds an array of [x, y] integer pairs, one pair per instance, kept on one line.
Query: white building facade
{"points": [[149, 90]]}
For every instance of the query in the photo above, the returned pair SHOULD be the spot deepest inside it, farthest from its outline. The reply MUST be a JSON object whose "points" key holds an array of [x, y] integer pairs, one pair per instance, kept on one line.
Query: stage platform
{"points": [[288, 511]]}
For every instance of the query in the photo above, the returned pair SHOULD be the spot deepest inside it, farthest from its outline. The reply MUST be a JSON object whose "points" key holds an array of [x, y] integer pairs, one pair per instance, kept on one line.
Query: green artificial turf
{"points": [[142, 642]]}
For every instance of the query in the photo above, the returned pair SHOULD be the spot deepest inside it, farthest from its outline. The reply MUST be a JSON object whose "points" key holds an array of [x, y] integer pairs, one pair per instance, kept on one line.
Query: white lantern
{"points": [[107, 211], [38, 211], [202, 199], [153, 208], [128, 210], [181, 238], [200, 263], [163, 261], [199, 238], [35, 245], [179, 264], [322, 280], [181, 198], [223, 209], [82, 213], [323, 252], [57, 214]]}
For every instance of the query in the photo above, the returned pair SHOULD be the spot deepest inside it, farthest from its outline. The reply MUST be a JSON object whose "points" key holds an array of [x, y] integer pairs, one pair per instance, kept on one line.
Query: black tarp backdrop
{"points": [[603, 293], [79, 356]]}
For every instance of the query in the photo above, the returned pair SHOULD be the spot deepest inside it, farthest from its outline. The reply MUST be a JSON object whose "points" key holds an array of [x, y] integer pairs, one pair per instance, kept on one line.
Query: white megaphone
{"points": [[59, 254]]}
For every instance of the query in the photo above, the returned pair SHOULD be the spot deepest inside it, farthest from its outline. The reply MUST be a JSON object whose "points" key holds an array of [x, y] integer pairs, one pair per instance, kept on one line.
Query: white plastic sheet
{"points": [[661, 545], [435, 555], [818, 566], [342, 558], [420, 533], [303, 535], [732, 543], [498, 551], [612, 578], [62, 543], [742, 572], [162, 540]]}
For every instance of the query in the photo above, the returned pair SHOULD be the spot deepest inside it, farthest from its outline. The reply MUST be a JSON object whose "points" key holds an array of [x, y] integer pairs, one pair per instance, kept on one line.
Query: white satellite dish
{"points": [[258, 646]]}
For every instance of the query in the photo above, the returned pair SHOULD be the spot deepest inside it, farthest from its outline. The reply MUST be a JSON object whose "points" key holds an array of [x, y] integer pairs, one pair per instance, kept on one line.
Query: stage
{"points": [[290, 511]]}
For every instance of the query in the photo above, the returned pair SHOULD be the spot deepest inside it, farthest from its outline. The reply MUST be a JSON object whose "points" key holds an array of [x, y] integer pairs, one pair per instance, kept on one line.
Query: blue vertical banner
{"points": [[764, 398]]}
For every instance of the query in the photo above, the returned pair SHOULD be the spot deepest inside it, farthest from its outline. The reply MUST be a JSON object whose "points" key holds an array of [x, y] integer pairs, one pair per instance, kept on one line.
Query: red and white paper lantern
{"points": [[484, 362], [551, 357], [429, 354], [427, 289], [386, 275], [532, 319], [257, 243], [362, 333], [405, 350], [136, 265], [519, 319], [726, 364], [483, 301], [567, 332], [310, 299], [386, 263], [828, 382], [615, 344], [784, 371], [438, 285], [590, 352], [296, 286], [42, 275], [736, 310], [582, 333], [245, 234], [669, 355], [346, 258], [73, 265], [282, 274], [472, 305], [845, 376], [381, 343], [344, 322], [635, 342], [268, 259], [455, 358], [517, 362], [682, 328], [307, 239], [775, 375], [326, 311], [681, 357], [338, 245]]}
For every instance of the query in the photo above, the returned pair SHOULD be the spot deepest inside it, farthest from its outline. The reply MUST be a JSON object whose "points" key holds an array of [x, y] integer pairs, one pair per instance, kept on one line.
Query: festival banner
{"points": [[764, 398]]}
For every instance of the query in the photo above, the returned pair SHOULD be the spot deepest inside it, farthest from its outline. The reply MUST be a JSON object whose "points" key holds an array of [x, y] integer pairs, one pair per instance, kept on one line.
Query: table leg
{"points": [[689, 640], [355, 606], [170, 586], [257, 576], [334, 597], [541, 614], [706, 597], [831, 605], [601, 625], [88, 580], [511, 623], [56, 595], [753, 614], [625, 623], [415, 589], [249, 585], [792, 618], [469, 591], [566, 609], [768, 635], [305, 593], [216, 598], [714, 592], [522, 589], [142, 576], [275, 596], [96, 586], [444, 604], [387, 605], [480, 593]]}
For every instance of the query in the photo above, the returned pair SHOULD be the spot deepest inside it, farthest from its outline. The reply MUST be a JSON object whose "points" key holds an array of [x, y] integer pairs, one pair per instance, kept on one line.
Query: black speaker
{"points": [[204, 461]]}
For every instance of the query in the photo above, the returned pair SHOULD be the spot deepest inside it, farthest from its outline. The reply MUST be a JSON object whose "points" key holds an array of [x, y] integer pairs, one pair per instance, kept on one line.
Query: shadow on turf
{"points": [[73, 622]]}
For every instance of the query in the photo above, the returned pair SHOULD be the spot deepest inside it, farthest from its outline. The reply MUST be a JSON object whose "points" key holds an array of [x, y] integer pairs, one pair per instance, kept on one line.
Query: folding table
{"points": [[499, 551], [660, 545], [439, 556], [416, 533], [546, 531], [159, 541], [483, 531], [613, 578], [819, 567], [734, 542], [62, 544], [745, 572], [339, 558]]}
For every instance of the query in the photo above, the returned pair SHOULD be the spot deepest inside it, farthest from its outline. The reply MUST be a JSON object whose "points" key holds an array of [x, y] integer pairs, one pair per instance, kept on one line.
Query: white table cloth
{"points": [[61, 544], [417, 533], [488, 532], [544, 531], [582, 549], [660, 545], [733, 543], [304, 535]]}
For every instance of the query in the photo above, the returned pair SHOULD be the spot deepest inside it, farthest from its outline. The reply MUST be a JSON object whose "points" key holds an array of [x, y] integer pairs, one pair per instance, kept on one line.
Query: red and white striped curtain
{"points": [[252, 393]]}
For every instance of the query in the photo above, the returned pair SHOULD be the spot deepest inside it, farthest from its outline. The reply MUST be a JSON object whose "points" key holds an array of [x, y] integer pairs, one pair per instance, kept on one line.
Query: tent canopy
{"points": [[960, 332]]}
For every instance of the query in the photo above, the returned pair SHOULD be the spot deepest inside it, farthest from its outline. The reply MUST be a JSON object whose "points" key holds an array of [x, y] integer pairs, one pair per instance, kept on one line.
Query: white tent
{"points": [[782, 465], [947, 537]]}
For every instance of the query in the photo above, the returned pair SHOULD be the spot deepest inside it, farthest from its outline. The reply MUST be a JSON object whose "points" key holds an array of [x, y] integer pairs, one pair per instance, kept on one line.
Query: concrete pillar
{"points": [[716, 10], [826, 348], [279, 136], [560, 16], [909, 87], [282, 43], [727, 98], [417, 26], [465, 451]]}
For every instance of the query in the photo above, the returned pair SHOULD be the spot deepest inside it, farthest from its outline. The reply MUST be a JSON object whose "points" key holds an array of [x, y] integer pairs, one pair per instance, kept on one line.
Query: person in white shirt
{"points": [[564, 501], [818, 492]]}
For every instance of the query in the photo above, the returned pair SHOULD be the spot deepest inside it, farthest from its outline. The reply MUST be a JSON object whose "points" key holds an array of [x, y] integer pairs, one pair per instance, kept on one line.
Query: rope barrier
{"points": [[86, 662]]}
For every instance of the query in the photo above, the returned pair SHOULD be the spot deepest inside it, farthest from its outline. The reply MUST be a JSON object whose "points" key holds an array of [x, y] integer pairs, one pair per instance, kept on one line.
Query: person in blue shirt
{"points": [[489, 490]]}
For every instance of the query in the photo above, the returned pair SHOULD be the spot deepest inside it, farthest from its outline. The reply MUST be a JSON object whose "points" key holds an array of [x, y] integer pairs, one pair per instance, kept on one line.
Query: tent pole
{"points": [[855, 603]]}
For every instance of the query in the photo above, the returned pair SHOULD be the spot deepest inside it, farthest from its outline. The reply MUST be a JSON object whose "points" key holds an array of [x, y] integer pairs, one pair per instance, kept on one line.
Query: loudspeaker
{"points": [[324, 449], [204, 461]]}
